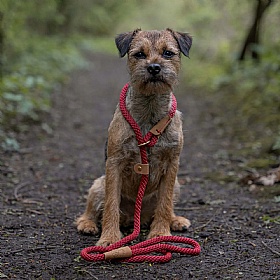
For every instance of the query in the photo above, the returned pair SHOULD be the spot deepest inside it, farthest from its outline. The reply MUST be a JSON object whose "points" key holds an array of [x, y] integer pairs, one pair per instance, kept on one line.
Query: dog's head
{"points": [[153, 58]]}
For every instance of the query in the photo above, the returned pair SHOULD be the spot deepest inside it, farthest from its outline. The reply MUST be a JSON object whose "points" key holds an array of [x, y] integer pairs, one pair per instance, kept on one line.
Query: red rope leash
{"points": [[138, 252]]}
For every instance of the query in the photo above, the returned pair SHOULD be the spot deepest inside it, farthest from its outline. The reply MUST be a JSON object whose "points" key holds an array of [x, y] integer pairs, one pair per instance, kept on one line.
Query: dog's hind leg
{"points": [[178, 223], [87, 222]]}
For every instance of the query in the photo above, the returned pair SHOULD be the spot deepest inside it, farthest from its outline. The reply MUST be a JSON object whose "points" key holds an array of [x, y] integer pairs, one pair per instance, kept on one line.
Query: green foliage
{"points": [[99, 44], [26, 89], [276, 145], [34, 64], [101, 17], [258, 82], [10, 144], [251, 93], [269, 220]]}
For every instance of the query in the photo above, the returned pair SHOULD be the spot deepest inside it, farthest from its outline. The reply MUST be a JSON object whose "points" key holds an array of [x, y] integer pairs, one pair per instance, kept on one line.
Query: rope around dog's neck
{"points": [[138, 252]]}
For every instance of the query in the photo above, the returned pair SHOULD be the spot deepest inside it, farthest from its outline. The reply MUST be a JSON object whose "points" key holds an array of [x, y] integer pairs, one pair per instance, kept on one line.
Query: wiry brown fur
{"points": [[148, 101]]}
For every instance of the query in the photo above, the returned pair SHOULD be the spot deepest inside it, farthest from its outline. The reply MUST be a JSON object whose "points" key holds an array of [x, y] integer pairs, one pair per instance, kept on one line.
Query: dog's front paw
{"points": [[179, 223], [108, 239], [86, 225], [159, 231]]}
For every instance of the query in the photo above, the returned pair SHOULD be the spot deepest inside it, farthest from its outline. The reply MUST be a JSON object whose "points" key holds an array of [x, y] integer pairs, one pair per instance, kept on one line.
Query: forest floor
{"points": [[43, 188]]}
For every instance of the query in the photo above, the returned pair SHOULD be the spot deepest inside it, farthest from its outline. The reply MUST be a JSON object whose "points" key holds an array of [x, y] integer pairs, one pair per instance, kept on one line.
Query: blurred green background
{"points": [[41, 42]]}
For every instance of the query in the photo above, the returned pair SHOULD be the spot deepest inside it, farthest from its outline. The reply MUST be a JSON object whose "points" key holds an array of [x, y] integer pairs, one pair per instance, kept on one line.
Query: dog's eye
{"points": [[140, 55], [168, 54]]}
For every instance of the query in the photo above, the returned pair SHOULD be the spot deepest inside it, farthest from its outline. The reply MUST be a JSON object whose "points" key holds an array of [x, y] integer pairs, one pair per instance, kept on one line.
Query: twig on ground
{"points": [[16, 190], [207, 223], [234, 264], [187, 208], [84, 270], [34, 211], [274, 210], [273, 251], [183, 173], [19, 198]]}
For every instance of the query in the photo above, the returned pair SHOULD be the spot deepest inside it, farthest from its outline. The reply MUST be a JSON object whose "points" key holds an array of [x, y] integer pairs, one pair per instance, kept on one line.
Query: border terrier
{"points": [[153, 64]]}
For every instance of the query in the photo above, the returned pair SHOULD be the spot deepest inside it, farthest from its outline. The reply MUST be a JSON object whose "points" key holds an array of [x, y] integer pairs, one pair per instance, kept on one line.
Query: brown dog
{"points": [[153, 63]]}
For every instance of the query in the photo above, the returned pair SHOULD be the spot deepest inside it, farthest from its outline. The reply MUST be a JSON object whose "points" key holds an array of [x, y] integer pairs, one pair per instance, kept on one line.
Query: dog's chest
{"points": [[167, 145], [160, 156]]}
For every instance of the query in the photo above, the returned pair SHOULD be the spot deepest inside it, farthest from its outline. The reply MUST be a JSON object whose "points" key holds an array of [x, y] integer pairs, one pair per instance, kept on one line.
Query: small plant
{"points": [[268, 220]]}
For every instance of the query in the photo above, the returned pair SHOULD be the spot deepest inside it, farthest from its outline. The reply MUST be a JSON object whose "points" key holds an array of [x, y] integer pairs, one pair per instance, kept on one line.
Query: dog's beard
{"points": [[155, 80], [158, 84]]}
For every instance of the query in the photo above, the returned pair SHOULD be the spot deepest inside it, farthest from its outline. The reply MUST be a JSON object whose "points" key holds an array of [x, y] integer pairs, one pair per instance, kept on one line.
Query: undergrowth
{"points": [[245, 95], [250, 94], [29, 81]]}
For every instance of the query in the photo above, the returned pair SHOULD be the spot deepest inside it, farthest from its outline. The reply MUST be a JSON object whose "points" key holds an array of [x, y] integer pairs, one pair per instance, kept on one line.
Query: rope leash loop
{"points": [[138, 252]]}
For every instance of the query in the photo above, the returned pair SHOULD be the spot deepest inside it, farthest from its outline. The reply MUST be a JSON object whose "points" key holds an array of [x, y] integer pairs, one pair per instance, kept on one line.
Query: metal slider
{"points": [[143, 144]]}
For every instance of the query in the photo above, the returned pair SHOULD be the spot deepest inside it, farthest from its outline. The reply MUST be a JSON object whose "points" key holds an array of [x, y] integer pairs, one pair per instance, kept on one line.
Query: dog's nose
{"points": [[154, 69]]}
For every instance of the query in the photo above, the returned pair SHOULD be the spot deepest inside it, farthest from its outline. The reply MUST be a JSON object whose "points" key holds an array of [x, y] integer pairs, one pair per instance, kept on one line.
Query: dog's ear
{"points": [[123, 41], [184, 41]]}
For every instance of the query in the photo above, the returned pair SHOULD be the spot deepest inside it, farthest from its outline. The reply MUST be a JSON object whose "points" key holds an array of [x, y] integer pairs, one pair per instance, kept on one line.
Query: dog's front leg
{"points": [[111, 213], [164, 208]]}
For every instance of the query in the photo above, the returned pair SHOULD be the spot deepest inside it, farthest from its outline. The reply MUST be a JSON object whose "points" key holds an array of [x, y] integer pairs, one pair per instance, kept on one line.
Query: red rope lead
{"points": [[138, 252]]}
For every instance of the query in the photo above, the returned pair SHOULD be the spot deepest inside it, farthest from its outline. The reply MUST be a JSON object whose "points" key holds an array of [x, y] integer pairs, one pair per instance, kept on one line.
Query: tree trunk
{"points": [[253, 35]]}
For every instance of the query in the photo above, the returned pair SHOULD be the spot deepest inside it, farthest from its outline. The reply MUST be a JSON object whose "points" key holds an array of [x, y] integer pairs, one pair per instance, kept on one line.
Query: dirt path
{"points": [[42, 190]]}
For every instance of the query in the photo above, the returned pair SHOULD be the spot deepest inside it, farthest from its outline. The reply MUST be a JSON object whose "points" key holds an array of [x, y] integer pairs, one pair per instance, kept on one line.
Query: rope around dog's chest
{"points": [[138, 252]]}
